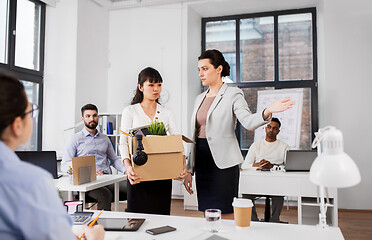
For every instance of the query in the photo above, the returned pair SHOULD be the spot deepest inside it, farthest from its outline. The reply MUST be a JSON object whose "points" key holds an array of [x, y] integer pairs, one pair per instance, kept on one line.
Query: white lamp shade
{"points": [[334, 170]]}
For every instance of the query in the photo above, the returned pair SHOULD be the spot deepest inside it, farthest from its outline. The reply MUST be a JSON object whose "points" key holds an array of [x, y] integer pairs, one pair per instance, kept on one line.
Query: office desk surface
{"points": [[63, 183], [296, 184], [195, 228]]}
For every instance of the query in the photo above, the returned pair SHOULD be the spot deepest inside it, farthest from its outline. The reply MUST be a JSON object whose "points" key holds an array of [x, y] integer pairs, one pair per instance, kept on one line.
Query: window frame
{"points": [[277, 84], [35, 76]]}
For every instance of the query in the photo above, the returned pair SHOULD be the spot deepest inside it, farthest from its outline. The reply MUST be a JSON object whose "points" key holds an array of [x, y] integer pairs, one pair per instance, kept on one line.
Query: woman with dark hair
{"points": [[148, 196], [30, 207], [216, 156]]}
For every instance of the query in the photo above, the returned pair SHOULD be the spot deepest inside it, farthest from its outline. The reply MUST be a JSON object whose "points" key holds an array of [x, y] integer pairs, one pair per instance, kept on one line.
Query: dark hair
{"points": [[150, 74], [216, 58], [13, 99], [276, 120], [88, 107]]}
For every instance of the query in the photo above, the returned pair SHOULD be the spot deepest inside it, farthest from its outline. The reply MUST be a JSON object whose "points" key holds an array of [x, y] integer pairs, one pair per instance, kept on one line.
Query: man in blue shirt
{"points": [[91, 142]]}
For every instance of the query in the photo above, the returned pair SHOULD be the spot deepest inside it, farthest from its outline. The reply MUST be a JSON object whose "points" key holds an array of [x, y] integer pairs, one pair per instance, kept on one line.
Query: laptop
{"points": [[44, 159], [300, 160]]}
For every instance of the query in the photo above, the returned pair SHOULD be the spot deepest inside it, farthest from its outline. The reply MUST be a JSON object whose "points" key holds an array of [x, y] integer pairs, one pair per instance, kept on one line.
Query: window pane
{"points": [[295, 47], [250, 95], [32, 91], [28, 35], [257, 49], [221, 35], [3, 30], [303, 136]]}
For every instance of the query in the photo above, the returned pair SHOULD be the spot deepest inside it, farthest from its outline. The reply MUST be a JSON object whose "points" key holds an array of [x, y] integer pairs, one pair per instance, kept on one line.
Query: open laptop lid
{"points": [[300, 160], [43, 159]]}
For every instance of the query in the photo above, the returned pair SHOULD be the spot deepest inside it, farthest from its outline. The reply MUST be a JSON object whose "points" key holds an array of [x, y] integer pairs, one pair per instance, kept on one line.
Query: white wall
{"points": [[191, 49], [60, 73], [345, 85], [142, 37], [92, 56], [75, 67]]}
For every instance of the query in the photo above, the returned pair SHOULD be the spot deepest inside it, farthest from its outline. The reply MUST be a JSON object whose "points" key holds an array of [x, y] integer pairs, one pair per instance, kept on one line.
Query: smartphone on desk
{"points": [[159, 230]]}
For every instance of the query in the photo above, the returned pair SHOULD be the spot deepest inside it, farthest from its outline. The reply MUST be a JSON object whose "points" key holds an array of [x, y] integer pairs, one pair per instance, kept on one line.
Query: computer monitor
{"points": [[300, 160], [43, 159]]}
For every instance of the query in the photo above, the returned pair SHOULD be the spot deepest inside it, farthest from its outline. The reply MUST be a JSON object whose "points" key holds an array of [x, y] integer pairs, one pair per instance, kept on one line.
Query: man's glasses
{"points": [[34, 111]]}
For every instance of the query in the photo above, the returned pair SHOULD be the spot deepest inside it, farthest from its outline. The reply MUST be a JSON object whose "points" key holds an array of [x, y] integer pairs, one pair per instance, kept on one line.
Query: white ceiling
{"points": [[214, 8], [210, 8], [122, 4]]}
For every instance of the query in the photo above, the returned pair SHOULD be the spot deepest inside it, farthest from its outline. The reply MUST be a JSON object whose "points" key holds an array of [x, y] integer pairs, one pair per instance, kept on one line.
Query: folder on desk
{"points": [[84, 169]]}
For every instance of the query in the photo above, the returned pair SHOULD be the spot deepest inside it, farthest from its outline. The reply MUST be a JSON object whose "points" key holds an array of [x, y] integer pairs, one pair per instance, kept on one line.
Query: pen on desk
{"points": [[91, 224], [125, 133]]}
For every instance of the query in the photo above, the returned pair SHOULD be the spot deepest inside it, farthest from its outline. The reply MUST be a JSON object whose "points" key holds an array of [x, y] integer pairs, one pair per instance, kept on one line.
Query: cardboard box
{"points": [[81, 177], [165, 157]]}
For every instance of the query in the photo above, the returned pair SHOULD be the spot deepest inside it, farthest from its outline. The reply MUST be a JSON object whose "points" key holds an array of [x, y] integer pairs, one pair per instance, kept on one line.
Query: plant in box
{"points": [[157, 128]]}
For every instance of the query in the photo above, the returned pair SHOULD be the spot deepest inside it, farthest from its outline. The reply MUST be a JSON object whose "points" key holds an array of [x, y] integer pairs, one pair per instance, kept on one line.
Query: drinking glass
{"points": [[213, 218]]}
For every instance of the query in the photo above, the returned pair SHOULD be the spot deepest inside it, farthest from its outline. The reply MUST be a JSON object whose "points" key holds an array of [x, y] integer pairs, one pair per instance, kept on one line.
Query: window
{"points": [[22, 28], [3, 31], [267, 51]]}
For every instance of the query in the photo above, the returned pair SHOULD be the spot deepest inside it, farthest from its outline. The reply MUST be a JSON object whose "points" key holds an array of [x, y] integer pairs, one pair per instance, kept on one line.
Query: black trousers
{"points": [[152, 197]]}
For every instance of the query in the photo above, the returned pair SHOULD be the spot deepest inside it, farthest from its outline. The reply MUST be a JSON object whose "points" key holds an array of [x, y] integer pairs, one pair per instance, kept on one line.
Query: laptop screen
{"points": [[300, 160], [44, 159]]}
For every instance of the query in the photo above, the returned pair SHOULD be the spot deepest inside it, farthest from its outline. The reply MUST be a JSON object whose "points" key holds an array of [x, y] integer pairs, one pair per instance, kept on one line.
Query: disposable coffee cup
{"points": [[242, 211]]}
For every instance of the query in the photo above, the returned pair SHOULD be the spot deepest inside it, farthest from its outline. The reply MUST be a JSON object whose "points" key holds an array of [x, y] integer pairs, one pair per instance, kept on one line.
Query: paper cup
{"points": [[242, 211]]}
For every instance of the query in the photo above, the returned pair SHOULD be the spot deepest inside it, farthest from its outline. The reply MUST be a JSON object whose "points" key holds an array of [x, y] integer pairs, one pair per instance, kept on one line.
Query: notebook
{"points": [[300, 160]]}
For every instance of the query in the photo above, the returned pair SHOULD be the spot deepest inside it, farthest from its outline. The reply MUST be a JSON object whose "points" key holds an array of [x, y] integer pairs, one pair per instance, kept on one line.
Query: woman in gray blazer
{"points": [[216, 156]]}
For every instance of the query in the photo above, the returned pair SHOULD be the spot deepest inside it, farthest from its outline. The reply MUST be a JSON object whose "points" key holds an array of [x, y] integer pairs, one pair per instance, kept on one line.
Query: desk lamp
{"points": [[332, 167]]}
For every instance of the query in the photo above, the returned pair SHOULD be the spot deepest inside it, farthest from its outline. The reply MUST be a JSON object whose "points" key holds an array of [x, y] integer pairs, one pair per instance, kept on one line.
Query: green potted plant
{"points": [[157, 128]]}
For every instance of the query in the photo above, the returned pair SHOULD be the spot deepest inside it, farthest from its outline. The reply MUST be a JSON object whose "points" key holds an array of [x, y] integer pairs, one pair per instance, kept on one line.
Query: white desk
{"points": [[295, 184], [63, 184], [195, 228]]}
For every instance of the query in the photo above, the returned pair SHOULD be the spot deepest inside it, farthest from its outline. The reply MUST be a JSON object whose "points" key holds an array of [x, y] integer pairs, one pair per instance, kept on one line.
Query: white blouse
{"points": [[134, 116]]}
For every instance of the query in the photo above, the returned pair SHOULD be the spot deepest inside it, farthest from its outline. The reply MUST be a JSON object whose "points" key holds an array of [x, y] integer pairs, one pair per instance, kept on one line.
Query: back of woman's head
{"points": [[216, 58], [13, 100], [150, 74]]}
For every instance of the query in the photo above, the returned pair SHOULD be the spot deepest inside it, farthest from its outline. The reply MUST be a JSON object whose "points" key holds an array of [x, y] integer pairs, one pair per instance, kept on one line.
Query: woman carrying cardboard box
{"points": [[216, 156], [149, 196]]}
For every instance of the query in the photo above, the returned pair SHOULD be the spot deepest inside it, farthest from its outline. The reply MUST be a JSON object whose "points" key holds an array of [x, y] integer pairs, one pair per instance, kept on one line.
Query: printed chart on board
{"points": [[290, 119]]}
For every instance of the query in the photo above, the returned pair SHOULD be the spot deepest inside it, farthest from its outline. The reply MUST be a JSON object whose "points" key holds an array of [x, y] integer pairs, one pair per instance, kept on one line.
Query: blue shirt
{"points": [[84, 144], [30, 207]]}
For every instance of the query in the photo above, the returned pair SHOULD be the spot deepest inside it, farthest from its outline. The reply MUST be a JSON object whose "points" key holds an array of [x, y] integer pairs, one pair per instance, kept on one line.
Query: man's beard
{"points": [[91, 126], [271, 136]]}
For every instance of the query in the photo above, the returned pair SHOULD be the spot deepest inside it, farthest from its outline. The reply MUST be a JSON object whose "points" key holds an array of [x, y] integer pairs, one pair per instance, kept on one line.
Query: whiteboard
{"points": [[290, 130]]}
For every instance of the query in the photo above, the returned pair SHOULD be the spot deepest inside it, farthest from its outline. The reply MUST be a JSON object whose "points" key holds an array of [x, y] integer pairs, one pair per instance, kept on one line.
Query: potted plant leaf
{"points": [[157, 128]]}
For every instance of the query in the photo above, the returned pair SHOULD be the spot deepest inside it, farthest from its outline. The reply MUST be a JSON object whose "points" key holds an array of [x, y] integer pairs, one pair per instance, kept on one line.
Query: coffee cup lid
{"points": [[242, 202]]}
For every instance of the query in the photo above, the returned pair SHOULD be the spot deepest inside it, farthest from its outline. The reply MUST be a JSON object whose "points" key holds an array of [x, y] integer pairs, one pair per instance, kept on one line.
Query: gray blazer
{"points": [[228, 106]]}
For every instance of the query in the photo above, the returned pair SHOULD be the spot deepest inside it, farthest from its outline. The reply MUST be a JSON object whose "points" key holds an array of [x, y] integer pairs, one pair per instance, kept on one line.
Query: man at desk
{"points": [[263, 155], [91, 142]]}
